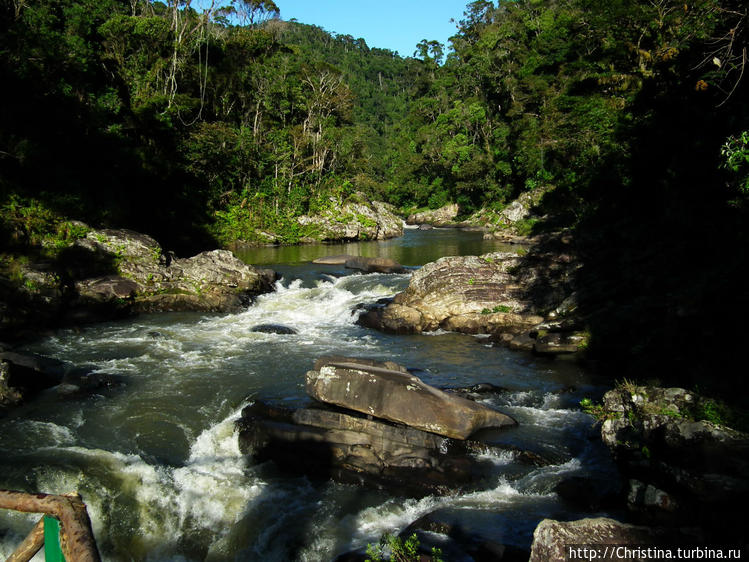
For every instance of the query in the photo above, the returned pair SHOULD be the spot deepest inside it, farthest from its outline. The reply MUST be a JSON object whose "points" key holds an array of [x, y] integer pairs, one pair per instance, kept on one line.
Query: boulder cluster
{"points": [[111, 273], [374, 423], [214, 281], [524, 301], [356, 218]]}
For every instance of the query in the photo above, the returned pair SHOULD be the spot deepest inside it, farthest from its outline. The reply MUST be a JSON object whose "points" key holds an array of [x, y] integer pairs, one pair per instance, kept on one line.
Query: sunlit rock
{"points": [[400, 397], [444, 216]]}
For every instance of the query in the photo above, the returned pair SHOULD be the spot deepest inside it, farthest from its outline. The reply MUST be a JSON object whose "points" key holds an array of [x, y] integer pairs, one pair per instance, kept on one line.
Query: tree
{"points": [[251, 12]]}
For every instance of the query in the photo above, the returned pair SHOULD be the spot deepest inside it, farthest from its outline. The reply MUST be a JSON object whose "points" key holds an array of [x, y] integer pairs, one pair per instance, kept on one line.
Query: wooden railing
{"points": [[64, 530]]}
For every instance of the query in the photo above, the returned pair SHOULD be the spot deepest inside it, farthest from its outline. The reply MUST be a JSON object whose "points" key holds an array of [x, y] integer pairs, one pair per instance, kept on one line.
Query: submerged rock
{"points": [[24, 375], [374, 265], [273, 329], [400, 397], [337, 259], [362, 263]]}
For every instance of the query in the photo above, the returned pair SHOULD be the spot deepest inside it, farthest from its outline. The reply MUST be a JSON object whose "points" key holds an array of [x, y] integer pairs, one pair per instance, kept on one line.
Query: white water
{"points": [[158, 463]]}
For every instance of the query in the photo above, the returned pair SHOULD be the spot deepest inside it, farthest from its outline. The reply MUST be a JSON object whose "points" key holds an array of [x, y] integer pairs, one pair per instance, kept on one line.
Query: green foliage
{"points": [[525, 227], [499, 308], [30, 221], [735, 152], [598, 411], [400, 550]]}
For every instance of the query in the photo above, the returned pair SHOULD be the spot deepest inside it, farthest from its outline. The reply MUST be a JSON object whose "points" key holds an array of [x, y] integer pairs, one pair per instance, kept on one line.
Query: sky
{"points": [[397, 25]]}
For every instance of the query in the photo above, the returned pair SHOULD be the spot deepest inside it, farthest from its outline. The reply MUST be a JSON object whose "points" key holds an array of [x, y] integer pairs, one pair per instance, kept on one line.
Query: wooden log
{"points": [[32, 544], [77, 538]]}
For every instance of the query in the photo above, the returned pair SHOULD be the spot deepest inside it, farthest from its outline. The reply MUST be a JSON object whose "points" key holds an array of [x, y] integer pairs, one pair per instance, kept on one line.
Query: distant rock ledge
{"points": [[357, 217]]}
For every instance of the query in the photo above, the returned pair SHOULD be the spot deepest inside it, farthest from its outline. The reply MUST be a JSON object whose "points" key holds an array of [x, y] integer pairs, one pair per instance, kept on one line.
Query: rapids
{"points": [[157, 459]]}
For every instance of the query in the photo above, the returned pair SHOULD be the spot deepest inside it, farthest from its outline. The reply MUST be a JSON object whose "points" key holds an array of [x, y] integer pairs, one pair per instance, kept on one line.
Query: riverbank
{"points": [[320, 307], [107, 274], [156, 449]]}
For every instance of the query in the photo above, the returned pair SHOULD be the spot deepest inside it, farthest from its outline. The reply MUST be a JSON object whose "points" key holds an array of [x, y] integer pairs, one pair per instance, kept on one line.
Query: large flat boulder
{"points": [[353, 448], [470, 294], [524, 300], [401, 397]]}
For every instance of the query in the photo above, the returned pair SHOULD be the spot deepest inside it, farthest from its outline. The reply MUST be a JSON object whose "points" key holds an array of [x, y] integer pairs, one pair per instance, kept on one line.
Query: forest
{"points": [[206, 126]]}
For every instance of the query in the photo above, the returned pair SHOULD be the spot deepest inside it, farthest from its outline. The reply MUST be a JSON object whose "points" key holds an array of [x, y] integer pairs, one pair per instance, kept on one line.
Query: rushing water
{"points": [[157, 459]]}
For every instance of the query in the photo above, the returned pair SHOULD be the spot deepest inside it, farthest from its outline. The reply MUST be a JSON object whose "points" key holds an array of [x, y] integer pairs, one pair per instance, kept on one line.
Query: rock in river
{"points": [[400, 397], [671, 458], [552, 540], [365, 264], [149, 280], [350, 446], [374, 265], [273, 329], [470, 294]]}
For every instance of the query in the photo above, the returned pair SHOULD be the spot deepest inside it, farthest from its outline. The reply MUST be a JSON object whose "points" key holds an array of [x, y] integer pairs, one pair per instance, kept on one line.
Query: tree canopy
{"points": [[207, 126]]}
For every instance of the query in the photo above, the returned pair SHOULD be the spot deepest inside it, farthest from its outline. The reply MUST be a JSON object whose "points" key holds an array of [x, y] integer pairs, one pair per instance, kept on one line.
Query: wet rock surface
{"points": [[356, 445], [25, 375], [526, 302], [680, 468], [274, 329], [400, 397]]}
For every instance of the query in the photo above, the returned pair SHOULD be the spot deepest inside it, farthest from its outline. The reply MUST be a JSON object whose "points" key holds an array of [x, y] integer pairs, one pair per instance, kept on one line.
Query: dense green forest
{"points": [[203, 127]]}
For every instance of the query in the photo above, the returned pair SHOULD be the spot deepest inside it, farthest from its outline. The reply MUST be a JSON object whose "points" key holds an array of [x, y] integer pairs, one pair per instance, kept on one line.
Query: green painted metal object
{"points": [[52, 550]]}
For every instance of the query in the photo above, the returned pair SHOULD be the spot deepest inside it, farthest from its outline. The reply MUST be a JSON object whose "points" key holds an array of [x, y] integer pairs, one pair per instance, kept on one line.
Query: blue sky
{"points": [[397, 25]]}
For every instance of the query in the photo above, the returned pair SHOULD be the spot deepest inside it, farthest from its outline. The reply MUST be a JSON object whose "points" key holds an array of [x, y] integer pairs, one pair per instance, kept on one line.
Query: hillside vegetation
{"points": [[205, 127]]}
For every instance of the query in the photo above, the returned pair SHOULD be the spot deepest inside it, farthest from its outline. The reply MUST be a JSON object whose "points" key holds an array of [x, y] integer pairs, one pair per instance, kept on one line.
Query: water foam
{"points": [[320, 314], [212, 488]]}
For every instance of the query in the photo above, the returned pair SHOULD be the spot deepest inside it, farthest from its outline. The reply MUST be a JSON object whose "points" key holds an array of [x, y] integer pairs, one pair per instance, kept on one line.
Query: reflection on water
{"points": [[414, 248]]}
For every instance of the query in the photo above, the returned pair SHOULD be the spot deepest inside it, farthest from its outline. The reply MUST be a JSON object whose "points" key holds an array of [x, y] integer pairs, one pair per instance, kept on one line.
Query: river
{"points": [[156, 458]]}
